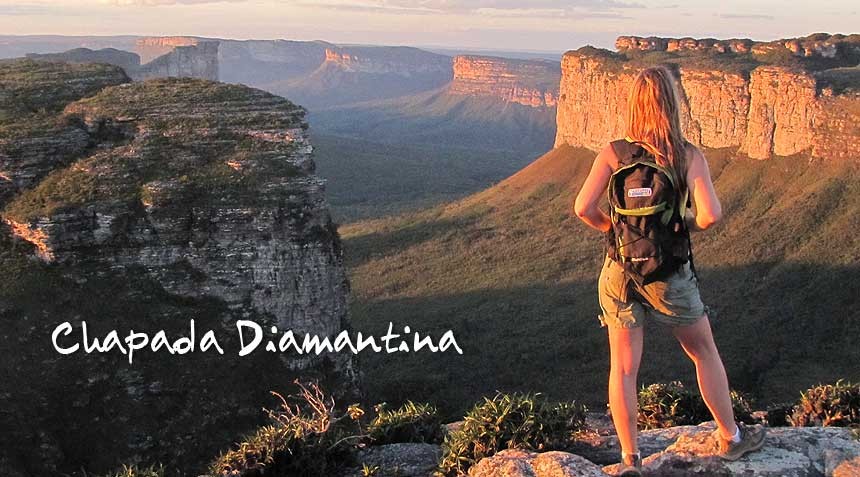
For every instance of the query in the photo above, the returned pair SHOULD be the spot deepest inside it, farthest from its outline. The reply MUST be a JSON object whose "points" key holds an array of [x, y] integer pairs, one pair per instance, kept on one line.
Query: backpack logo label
{"points": [[640, 192]]}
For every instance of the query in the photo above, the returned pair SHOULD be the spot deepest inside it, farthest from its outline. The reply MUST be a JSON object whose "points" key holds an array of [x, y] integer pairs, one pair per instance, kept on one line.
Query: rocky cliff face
{"points": [[817, 45], [152, 47], [531, 83], [401, 61], [150, 204], [199, 60], [758, 108], [263, 239], [351, 74], [261, 62]]}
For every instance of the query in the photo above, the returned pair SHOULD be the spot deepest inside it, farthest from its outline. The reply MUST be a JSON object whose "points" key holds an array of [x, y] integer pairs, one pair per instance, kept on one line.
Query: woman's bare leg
{"points": [[625, 347], [698, 342]]}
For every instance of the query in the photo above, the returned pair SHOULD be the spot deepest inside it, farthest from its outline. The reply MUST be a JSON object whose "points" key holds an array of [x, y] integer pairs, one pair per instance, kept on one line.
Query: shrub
{"points": [[835, 405], [667, 405], [307, 438], [778, 414], [411, 422], [507, 421]]}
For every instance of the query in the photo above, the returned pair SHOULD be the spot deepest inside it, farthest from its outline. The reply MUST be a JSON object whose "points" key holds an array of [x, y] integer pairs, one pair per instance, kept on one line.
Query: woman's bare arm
{"points": [[706, 206], [594, 189]]}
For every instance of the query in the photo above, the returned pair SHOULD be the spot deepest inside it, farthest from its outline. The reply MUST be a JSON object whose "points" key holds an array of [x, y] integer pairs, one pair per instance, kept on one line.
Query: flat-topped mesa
{"points": [[399, 60], [760, 107], [193, 61], [126, 60], [207, 186], [817, 45], [528, 82], [151, 48]]}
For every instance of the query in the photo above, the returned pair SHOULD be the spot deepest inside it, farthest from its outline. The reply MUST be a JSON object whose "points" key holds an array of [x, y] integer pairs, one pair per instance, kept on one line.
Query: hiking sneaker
{"points": [[752, 438], [631, 466]]}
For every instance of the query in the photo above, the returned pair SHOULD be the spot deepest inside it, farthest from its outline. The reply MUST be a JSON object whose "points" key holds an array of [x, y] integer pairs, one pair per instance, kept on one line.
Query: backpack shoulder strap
{"points": [[624, 150], [627, 150]]}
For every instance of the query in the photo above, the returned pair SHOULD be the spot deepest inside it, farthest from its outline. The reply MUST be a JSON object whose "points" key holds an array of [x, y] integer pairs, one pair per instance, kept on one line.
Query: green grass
{"points": [[366, 179], [41, 87], [174, 151], [510, 421], [513, 274], [437, 118]]}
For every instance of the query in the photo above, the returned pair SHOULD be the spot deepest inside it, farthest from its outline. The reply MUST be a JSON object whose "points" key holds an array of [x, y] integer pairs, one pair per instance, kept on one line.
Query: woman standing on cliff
{"points": [[653, 124]]}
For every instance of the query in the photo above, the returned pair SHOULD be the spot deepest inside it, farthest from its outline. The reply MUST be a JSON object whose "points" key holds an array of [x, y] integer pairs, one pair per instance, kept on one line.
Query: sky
{"points": [[539, 25]]}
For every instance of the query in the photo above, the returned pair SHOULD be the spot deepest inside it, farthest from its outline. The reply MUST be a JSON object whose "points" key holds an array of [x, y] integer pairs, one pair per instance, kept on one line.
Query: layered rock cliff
{"points": [[728, 101], [32, 141], [199, 60], [351, 74], [147, 205], [528, 82], [821, 45], [150, 48]]}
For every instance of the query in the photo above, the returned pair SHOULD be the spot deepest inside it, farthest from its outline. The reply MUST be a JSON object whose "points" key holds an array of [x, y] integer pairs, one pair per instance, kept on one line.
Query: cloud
{"points": [[153, 3], [536, 8], [745, 16], [23, 9]]}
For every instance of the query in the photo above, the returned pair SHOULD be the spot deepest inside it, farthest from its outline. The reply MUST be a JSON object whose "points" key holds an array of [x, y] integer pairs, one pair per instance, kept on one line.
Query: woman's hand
{"points": [[594, 189]]}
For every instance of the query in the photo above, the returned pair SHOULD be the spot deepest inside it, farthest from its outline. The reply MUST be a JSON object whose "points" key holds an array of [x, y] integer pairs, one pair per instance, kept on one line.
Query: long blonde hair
{"points": [[654, 119]]}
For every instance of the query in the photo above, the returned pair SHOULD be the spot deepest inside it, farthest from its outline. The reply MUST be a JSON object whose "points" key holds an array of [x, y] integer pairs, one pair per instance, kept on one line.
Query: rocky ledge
{"points": [[788, 452], [683, 451]]}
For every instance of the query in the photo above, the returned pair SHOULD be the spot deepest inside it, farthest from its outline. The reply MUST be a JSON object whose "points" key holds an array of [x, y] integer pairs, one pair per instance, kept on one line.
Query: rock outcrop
{"points": [[151, 204], [32, 143], [788, 452], [523, 463], [527, 82], [251, 222], [757, 108], [150, 48], [820, 45], [199, 60]]}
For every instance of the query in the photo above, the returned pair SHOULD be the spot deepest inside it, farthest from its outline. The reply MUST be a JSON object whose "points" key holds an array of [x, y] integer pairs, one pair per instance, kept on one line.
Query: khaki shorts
{"points": [[674, 302]]}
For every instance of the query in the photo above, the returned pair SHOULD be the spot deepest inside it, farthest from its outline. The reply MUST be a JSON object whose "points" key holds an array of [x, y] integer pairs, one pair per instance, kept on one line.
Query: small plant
{"points": [[410, 422], [369, 470], [668, 405], [135, 471], [306, 438], [507, 421], [835, 405]]}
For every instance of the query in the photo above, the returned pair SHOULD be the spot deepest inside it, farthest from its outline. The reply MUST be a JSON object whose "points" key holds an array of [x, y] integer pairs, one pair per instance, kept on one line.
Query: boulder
{"points": [[524, 463], [401, 459]]}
